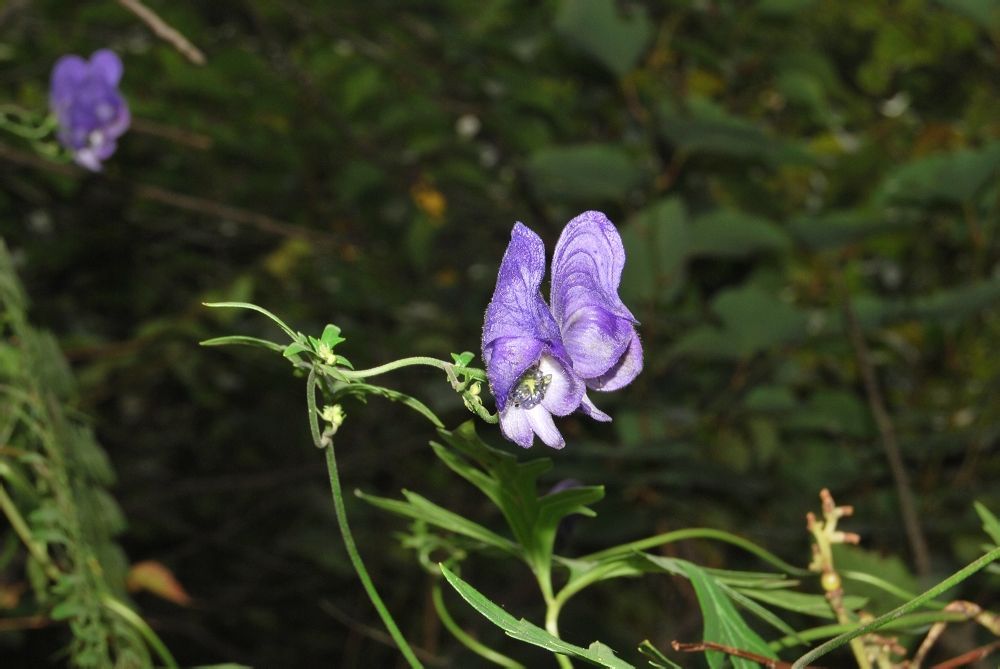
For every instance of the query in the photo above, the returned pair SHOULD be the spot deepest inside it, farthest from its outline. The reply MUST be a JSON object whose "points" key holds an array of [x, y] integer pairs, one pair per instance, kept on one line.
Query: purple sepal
{"points": [[598, 330]]}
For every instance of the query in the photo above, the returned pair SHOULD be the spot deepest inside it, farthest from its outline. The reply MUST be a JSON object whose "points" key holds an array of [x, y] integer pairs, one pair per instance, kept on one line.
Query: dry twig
{"points": [[887, 431], [176, 200], [164, 31], [704, 646]]}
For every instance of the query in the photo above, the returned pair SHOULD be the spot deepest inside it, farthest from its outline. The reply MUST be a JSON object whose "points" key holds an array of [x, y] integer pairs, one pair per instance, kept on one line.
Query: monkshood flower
{"points": [[530, 374], [597, 329], [92, 113], [540, 361]]}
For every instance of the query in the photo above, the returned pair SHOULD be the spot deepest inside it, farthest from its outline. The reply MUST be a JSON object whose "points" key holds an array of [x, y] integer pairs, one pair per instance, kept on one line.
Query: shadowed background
{"points": [[808, 193]]}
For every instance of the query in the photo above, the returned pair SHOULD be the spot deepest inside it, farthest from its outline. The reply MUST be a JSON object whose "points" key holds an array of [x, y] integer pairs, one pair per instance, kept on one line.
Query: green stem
{"points": [[911, 621], [467, 640], [543, 574], [36, 549], [443, 365], [949, 582], [136, 621], [698, 533], [885, 586], [359, 566], [552, 609]]}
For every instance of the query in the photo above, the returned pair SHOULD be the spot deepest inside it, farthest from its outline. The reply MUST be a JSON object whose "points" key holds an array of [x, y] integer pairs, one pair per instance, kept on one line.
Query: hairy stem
{"points": [[427, 361]]}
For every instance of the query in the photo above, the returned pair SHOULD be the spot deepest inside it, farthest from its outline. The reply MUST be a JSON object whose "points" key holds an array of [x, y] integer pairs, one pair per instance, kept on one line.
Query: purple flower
{"points": [[540, 361], [597, 329], [530, 374], [91, 111]]}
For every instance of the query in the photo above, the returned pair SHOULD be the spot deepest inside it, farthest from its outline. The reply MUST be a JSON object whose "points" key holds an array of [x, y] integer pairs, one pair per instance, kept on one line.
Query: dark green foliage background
{"points": [[764, 160]]}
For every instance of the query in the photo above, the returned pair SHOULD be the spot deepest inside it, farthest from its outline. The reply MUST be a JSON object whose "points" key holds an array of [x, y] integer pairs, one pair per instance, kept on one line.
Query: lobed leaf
{"points": [[522, 630]]}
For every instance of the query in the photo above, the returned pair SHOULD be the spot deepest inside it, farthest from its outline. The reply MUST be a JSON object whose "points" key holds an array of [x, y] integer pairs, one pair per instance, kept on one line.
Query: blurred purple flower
{"points": [[530, 375], [540, 362], [92, 113]]}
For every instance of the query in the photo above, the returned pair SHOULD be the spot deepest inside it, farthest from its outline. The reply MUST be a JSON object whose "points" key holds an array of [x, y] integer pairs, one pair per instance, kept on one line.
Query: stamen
{"points": [[530, 389]]}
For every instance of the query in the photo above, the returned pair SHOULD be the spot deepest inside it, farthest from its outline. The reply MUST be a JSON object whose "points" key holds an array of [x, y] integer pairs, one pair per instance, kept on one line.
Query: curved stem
{"points": [[359, 566], [698, 533], [136, 621], [467, 640], [552, 608], [426, 361], [34, 547], [949, 582]]}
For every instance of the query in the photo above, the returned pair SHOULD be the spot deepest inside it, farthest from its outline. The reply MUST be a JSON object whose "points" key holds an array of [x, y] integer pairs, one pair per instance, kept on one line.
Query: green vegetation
{"points": [[809, 194]]}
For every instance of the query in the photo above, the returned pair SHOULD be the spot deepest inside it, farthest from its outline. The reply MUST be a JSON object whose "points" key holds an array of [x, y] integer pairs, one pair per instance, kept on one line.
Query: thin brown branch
{"points": [[195, 140], [887, 431], [969, 609], [176, 200], [25, 623], [968, 658], [704, 646], [164, 31], [219, 210], [374, 634]]}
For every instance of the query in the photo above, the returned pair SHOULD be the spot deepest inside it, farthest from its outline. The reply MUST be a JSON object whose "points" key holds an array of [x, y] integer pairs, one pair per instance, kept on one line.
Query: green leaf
{"points": [[707, 128], [943, 306], [837, 228], [655, 657], [766, 398], [253, 307], [764, 614], [331, 335], [294, 349], [728, 232], [462, 359], [984, 12], [656, 244], [833, 411], [753, 320], [585, 172], [889, 568], [420, 508], [512, 486], [241, 340], [800, 602], [722, 622], [362, 390], [584, 573], [991, 525], [955, 177], [783, 7], [614, 38], [65, 610], [522, 630]]}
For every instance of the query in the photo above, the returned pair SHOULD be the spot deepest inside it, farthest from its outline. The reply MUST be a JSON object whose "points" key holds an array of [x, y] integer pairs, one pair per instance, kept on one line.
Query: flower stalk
{"points": [[825, 535]]}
